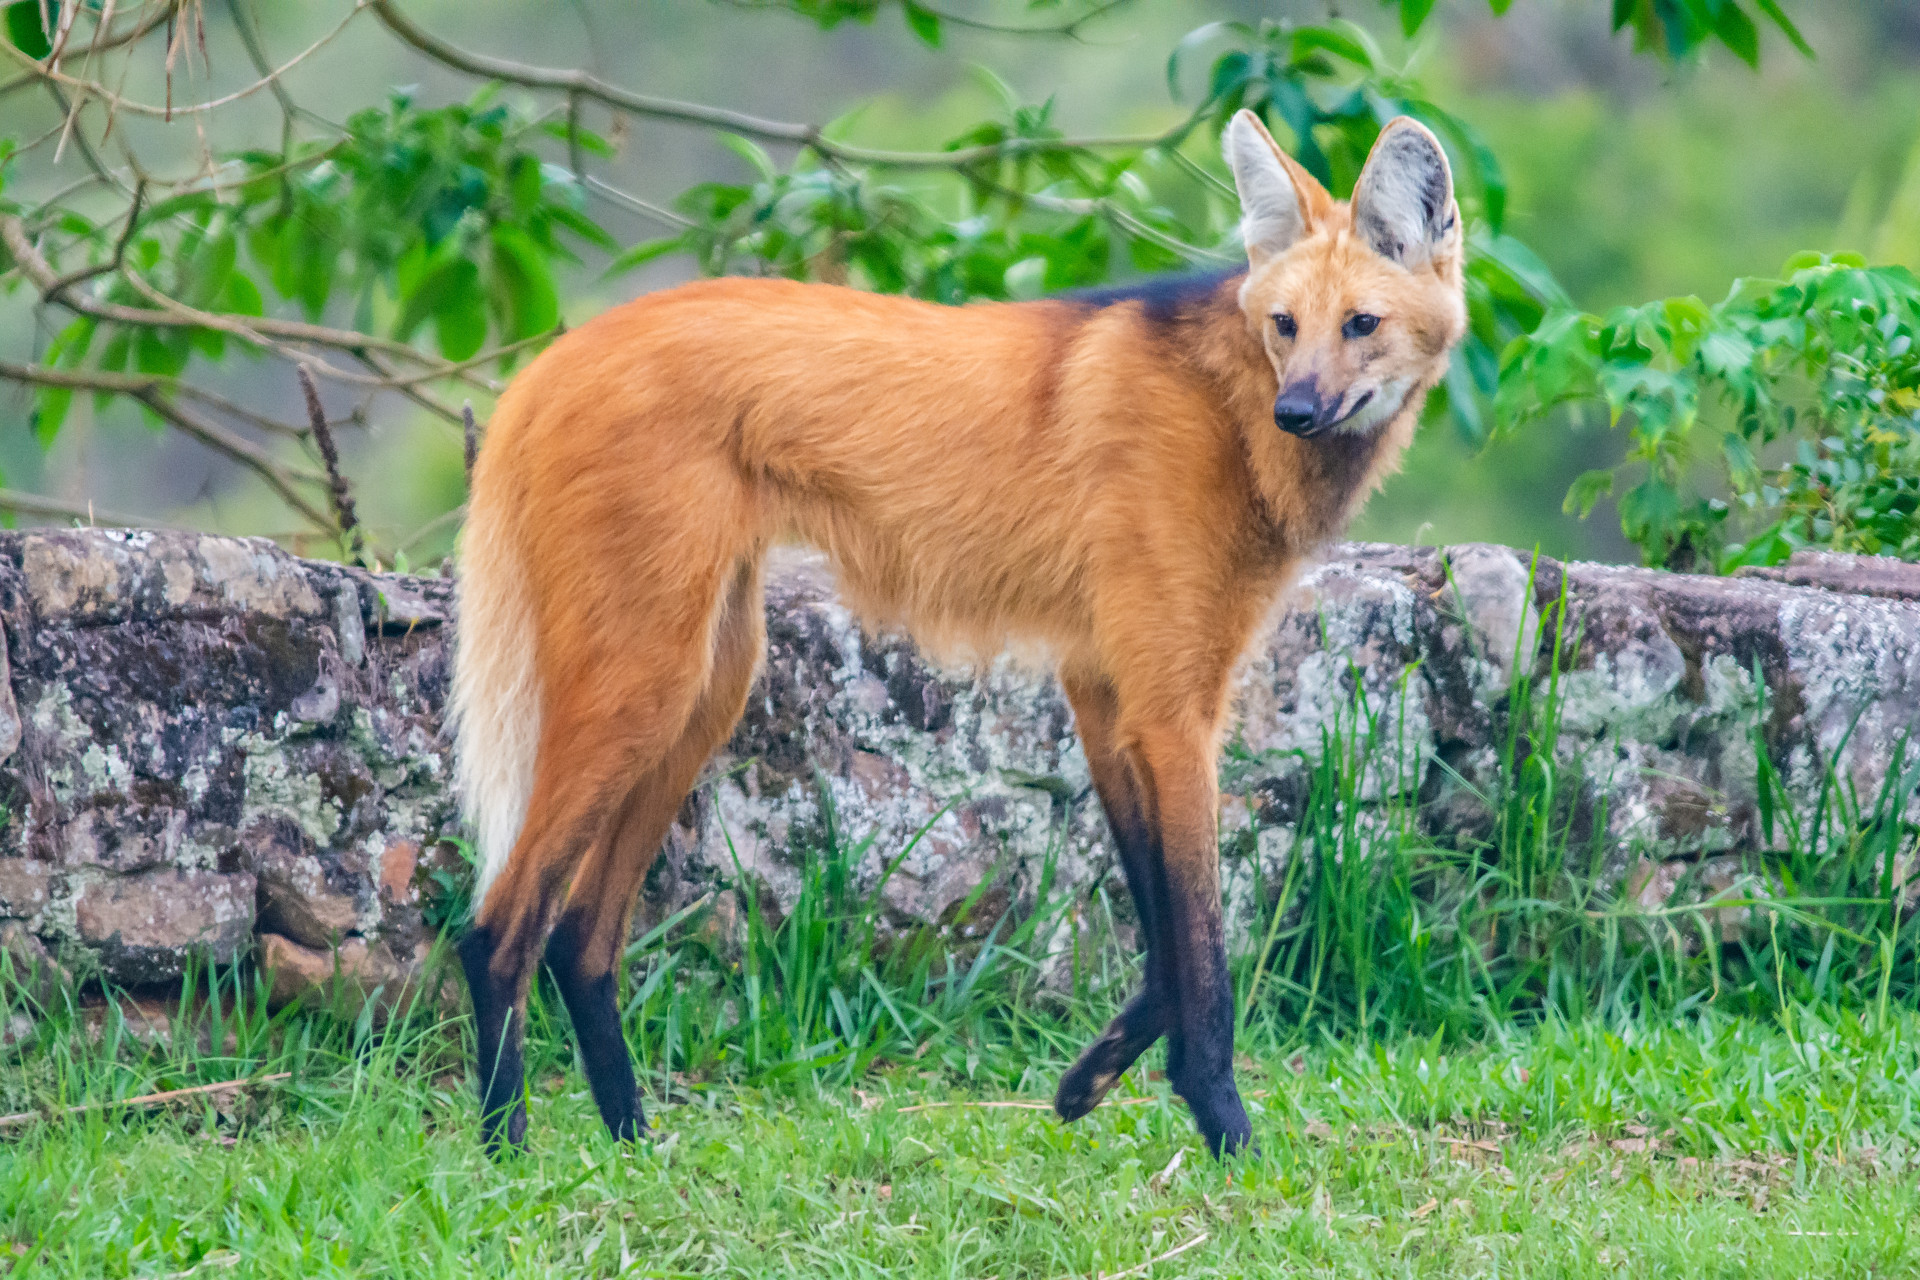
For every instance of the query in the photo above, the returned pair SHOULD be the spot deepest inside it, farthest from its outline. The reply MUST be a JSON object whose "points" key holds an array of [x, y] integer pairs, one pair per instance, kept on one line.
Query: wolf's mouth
{"points": [[1320, 429], [1358, 405]]}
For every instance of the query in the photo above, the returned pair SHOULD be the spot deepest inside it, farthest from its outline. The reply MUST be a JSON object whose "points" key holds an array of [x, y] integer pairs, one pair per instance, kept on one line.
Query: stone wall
{"points": [[212, 749]]}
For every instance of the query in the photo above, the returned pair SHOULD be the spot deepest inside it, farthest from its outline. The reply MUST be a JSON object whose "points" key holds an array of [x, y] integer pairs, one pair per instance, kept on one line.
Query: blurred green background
{"points": [[1631, 177]]}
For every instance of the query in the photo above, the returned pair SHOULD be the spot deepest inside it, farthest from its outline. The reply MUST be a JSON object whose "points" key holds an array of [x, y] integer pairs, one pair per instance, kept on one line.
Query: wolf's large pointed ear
{"points": [[1403, 204], [1279, 201]]}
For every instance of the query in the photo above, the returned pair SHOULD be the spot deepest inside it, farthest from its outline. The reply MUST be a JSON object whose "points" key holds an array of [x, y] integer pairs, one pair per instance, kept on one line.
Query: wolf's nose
{"points": [[1295, 410]]}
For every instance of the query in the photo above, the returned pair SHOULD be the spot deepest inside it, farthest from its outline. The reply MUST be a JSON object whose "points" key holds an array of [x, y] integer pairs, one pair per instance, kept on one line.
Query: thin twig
{"points": [[1144, 1267], [140, 384], [257, 53], [432, 527], [34, 504], [152, 393], [92, 157], [167, 112], [147, 1099], [646, 208], [173, 314], [384, 376], [350, 537], [471, 431], [83, 274], [154, 16]]}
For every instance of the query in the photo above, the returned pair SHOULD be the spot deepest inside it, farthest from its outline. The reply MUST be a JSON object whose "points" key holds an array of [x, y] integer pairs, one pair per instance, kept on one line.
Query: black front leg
{"points": [[1200, 1059], [1177, 772], [500, 1026]]}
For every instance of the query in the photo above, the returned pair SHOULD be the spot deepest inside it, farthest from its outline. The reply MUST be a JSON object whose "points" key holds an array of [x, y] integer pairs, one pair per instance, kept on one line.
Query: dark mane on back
{"points": [[1162, 298]]}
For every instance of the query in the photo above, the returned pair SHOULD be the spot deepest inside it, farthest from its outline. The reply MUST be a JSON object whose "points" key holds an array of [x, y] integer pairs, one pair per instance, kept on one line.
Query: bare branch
{"points": [[116, 102], [34, 504], [281, 478], [581, 84], [471, 431], [139, 385], [442, 521], [173, 314]]}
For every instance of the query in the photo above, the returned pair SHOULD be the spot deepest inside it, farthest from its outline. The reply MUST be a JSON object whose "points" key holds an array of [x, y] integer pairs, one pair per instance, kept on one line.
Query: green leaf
{"points": [[427, 279], [533, 303], [460, 319], [49, 411], [1193, 40], [924, 22], [24, 31], [587, 140], [243, 296], [1412, 14], [753, 153], [644, 252], [584, 227], [1344, 41], [1737, 32], [1778, 16], [1586, 491]]}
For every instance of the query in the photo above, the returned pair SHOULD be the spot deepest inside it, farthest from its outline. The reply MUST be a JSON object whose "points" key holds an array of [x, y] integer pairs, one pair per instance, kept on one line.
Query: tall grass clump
{"points": [[826, 991], [1380, 926]]}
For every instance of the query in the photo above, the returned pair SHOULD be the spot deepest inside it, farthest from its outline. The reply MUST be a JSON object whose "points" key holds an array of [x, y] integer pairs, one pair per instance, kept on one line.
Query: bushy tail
{"points": [[496, 691]]}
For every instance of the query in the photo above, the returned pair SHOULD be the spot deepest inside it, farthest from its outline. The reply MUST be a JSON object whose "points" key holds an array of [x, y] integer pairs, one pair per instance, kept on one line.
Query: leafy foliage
{"points": [[441, 216], [1785, 417], [446, 215]]}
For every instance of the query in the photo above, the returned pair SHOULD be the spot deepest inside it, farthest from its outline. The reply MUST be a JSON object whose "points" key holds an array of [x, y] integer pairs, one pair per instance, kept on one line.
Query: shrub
{"points": [[1785, 417]]}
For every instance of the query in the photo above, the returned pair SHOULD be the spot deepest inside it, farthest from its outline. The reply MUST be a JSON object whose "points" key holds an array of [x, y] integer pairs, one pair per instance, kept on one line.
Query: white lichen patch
{"points": [[61, 738], [65, 576], [254, 576], [1628, 693], [177, 577], [274, 789]]}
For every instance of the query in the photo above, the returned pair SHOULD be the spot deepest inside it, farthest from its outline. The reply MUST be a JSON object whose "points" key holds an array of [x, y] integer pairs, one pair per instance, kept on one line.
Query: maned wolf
{"points": [[1127, 477]]}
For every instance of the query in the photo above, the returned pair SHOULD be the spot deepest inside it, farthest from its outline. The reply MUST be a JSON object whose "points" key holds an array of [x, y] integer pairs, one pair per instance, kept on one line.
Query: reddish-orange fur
{"points": [[1102, 481]]}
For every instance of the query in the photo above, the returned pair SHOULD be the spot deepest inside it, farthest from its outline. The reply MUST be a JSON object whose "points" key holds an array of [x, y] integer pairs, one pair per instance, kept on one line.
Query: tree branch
{"points": [[34, 504], [177, 315], [150, 392], [138, 384], [116, 102], [155, 16], [581, 84]]}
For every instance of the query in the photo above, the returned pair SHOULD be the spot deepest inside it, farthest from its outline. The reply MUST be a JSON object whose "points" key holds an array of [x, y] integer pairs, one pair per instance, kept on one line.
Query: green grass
{"points": [[1714, 1147]]}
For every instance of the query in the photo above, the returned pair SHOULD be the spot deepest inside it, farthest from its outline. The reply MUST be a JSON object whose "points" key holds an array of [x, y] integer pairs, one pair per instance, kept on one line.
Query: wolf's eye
{"points": [[1285, 324], [1359, 326]]}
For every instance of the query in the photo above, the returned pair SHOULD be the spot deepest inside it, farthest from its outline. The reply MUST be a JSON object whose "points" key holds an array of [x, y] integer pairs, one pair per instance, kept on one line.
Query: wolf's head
{"points": [[1355, 303]]}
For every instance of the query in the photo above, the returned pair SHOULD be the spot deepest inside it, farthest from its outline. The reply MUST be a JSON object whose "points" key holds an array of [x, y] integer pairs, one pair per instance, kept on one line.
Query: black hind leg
{"points": [[591, 994]]}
